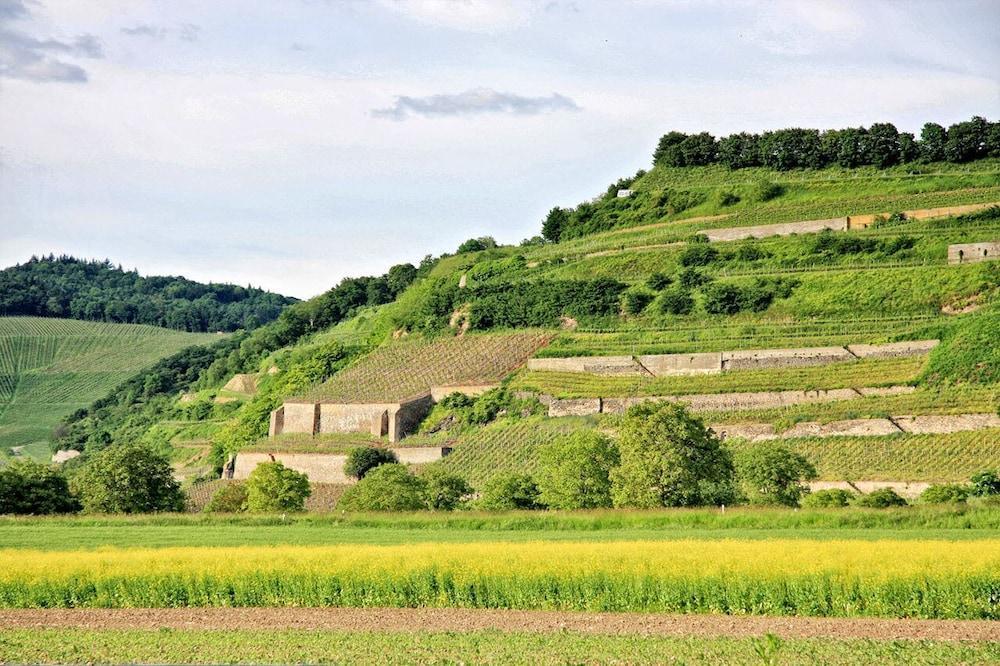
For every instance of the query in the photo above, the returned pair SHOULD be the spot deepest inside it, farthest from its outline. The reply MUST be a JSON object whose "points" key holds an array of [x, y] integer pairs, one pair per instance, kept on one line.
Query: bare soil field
{"points": [[464, 620]]}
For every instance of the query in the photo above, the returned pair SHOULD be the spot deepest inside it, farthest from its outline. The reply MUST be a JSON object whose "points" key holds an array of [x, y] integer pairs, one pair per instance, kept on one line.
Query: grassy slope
{"points": [[50, 367]]}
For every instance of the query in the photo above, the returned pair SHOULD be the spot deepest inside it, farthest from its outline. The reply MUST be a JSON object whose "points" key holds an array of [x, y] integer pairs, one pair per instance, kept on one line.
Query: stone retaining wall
{"points": [[970, 253], [784, 229], [393, 419], [328, 467], [945, 423], [665, 365], [906, 489]]}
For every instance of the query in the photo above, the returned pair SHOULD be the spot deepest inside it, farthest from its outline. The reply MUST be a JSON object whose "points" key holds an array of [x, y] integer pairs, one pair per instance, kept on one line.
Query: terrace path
{"points": [[449, 619]]}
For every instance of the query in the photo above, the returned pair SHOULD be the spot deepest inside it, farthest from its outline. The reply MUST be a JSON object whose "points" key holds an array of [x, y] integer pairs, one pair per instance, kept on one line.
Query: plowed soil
{"points": [[439, 620]]}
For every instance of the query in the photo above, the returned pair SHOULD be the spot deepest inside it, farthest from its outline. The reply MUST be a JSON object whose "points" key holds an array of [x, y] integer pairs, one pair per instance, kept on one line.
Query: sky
{"points": [[288, 144]]}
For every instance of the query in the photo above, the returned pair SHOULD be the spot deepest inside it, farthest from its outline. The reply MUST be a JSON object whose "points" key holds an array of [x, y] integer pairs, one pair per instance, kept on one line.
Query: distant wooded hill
{"points": [[100, 291]]}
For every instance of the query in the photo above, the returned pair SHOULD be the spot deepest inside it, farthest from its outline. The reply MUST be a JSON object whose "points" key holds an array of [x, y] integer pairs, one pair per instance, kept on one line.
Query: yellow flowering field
{"points": [[921, 578]]}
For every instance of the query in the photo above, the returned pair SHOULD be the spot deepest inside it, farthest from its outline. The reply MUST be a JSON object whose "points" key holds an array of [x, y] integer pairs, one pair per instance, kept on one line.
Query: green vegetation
{"points": [[51, 367], [576, 471], [364, 459], [127, 478], [29, 487], [97, 291], [196, 646], [866, 372], [272, 487], [387, 487], [510, 492], [669, 458], [770, 473]]}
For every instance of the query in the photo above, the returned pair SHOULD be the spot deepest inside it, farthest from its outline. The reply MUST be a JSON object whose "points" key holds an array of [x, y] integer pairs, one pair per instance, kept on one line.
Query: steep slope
{"points": [[51, 367]]}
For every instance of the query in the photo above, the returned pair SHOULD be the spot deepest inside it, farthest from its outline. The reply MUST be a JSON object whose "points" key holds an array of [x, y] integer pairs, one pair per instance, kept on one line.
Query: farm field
{"points": [[51, 367], [488, 647]]}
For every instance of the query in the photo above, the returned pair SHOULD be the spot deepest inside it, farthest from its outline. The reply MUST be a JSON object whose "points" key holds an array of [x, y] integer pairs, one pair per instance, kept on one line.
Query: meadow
{"points": [[51, 367]]}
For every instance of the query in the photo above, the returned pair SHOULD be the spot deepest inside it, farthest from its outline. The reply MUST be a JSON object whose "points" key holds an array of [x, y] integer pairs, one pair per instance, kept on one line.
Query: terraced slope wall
{"points": [[327, 467]]}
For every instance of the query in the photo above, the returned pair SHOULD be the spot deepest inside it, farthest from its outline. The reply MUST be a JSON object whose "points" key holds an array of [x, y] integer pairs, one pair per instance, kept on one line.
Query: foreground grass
{"points": [[952, 522], [885, 578], [480, 647]]}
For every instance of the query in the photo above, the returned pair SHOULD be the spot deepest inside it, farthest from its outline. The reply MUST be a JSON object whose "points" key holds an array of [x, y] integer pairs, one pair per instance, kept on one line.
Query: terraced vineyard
{"points": [[405, 368], [904, 457], [50, 367], [853, 374]]}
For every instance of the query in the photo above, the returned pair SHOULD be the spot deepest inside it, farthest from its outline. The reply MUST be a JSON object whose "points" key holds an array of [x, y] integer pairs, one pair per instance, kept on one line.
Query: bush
{"points": [[883, 498], [230, 498], [575, 471], [128, 478], [985, 483], [29, 487], [676, 301], [509, 492], [658, 281], [827, 499], [444, 491], [363, 459], [668, 458], [389, 487], [690, 277], [636, 300], [727, 198], [765, 190], [726, 299], [945, 493], [272, 487], [700, 254], [750, 251], [770, 473]]}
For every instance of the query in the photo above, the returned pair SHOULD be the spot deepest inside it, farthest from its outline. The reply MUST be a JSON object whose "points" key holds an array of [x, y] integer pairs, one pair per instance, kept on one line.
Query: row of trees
{"points": [[880, 145], [99, 291]]}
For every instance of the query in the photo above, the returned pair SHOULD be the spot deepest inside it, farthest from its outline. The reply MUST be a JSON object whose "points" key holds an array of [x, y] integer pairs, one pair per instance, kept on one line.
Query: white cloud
{"points": [[474, 102], [470, 15]]}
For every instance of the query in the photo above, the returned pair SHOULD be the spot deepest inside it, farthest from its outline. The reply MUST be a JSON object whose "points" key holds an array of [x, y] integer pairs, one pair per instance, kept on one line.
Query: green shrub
{"points": [[29, 487], [575, 471], [883, 498], [945, 493], [445, 491], [826, 499], [658, 281], [727, 198], [363, 459], [509, 492], [765, 190], [230, 498], [388, 487], [272, 487], [985, 483], [667, 458], [700, 254], [771, 473], [676, 301], [128, 478], [691, 277], [636, 300], [750, 251], [725, 299]]}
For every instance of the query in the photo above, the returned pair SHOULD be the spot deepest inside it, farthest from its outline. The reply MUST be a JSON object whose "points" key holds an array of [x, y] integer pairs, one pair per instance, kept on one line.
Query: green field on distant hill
{"points": [[51, 367]]}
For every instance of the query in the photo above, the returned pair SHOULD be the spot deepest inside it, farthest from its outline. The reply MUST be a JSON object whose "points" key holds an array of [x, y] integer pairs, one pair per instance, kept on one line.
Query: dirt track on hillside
{"points": [[425, 619]]}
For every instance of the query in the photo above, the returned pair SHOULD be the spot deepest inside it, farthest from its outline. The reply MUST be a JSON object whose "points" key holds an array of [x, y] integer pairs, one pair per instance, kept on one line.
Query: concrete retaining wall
{"points": [[851, 427], [755, 359], [439, 393], [945, 423], [371, 418], [328, 467], [300, 417], [894, 349], [784, 229], [277, 422], [575, 407], [598, 365], [970, 253], [408, 416], [665, 365], [906, 489]]}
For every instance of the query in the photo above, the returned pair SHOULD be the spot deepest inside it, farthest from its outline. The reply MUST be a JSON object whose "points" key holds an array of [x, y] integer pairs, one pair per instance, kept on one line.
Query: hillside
{"points": [[883, 364], [99, 291], [52, 367]]}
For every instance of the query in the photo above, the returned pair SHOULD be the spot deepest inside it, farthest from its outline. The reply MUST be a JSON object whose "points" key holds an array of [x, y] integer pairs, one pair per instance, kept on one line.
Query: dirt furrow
{"points": [[432, 619]]}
